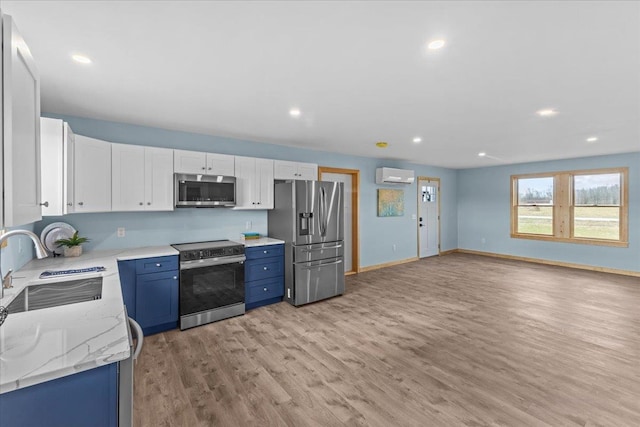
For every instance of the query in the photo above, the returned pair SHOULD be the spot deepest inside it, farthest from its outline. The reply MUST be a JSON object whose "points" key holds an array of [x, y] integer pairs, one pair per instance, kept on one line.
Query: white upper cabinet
{"points": [[158, 179], [56, 153], [142, 178], [295, 170], [92, 164], [254, 183], [21, 130], [196, 162]]}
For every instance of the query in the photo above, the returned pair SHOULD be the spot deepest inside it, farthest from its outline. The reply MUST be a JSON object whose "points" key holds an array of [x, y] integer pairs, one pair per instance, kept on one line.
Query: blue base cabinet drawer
{"points": [[264, 252], [264, 275], [156, 265], [264, 289], [263, 269]]}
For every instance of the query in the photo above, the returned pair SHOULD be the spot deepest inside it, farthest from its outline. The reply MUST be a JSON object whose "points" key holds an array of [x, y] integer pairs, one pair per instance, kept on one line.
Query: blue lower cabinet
{"points": [[89, 398], [264, 275], [150, 292]]}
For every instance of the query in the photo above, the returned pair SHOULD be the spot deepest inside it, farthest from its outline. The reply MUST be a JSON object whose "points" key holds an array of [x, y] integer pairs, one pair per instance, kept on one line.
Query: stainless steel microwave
{"points": [[204, 191]]}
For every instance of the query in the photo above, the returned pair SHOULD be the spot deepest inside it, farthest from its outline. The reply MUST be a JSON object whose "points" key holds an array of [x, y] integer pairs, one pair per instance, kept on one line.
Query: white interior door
{"points": [[348, 211], [428, 217]]}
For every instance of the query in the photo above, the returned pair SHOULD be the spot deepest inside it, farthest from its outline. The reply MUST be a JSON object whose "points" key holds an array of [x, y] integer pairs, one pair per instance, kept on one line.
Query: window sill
{"points": [[597, 242]]}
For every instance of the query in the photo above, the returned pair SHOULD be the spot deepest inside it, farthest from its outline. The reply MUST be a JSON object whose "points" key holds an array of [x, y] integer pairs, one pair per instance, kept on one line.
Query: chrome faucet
{"points": [[41, 252]]}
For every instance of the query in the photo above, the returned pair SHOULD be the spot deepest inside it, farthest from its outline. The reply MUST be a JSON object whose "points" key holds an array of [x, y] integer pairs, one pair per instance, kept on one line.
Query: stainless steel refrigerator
{"points": [[308, 216]]}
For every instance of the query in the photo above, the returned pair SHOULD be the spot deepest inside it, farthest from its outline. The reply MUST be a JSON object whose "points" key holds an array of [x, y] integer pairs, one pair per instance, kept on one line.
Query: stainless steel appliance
{"points": [[125, 374], [204, 191], [211, 281], [308, 216]]}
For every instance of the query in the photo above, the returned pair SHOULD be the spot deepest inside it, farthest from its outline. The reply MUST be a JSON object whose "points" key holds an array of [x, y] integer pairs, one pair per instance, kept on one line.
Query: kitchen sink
{"points": [[36, 297]]}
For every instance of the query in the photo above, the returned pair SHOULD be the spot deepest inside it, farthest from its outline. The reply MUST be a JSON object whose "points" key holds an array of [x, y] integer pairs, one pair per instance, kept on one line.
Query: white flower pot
{"points": [[73, 251]]}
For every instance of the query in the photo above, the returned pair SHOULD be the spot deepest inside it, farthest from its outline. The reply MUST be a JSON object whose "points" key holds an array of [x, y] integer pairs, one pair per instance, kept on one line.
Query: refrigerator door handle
{"points": [[321, 249], [321, 265], [323, 212]]}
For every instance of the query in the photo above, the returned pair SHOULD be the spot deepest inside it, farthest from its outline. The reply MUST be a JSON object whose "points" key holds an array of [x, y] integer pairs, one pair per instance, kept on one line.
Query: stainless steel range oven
{"points": [[211, 282]]}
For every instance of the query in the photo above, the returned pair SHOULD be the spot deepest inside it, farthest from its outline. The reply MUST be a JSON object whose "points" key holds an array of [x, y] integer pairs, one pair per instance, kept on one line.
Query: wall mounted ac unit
{"points": [[394, 176]]}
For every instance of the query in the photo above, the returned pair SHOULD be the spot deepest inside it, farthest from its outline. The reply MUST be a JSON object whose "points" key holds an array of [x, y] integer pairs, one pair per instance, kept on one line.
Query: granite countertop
{"points": [[42, 345]]}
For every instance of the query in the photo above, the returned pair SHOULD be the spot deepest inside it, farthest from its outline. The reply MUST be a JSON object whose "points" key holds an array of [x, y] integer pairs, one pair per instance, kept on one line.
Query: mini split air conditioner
{"points": [[394, 176]]}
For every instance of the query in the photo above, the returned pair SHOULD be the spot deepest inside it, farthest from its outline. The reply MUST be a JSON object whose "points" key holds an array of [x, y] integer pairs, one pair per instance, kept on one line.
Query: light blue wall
{"points": [[484, 213], [377, 235]]}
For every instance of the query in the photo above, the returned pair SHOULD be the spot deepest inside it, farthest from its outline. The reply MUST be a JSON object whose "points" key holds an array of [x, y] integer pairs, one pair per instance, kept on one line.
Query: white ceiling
{"points": [[358, 71]]}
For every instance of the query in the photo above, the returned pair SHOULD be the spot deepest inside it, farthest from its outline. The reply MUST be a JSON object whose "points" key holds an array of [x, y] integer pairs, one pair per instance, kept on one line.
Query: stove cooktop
{"points": [[212, 249]]}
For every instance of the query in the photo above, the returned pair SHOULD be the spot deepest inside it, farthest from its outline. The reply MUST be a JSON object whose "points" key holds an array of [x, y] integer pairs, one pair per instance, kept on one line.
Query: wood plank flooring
{"points": [[454, 340]]}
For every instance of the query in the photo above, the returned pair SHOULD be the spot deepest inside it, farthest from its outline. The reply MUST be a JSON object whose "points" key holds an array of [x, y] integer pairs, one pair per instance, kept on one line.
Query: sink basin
{"points": [[36, 297]]}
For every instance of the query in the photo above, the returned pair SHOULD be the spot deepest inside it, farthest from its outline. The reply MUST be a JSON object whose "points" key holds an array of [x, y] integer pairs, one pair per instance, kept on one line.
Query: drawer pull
{"points": [[158, 265], [265, 268], [175, 277], [265, 252], [265, 289]]}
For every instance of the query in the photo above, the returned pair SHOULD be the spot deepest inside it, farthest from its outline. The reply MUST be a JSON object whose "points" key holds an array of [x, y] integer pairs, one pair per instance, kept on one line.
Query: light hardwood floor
{"points": [[453, 340]]}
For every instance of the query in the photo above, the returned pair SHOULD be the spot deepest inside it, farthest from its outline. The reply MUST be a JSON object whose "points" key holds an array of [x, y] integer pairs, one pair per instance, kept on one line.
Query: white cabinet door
{"points": [[245, 169], [294, 170], [21, 129], [264, 183], [285, 170], [158, 172], [307, 171], [220, 164], [68, 169], [254, 183], [127, 174], [92, 162], [56, 160], [193, 162]]}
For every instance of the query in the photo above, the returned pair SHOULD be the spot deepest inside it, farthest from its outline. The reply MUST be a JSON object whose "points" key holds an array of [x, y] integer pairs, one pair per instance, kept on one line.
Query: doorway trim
{"points": [[418, 194], [355, 212]]}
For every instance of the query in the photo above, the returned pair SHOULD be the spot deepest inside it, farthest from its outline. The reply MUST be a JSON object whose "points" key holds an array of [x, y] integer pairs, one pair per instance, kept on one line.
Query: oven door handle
{"points": [[209, 262]]}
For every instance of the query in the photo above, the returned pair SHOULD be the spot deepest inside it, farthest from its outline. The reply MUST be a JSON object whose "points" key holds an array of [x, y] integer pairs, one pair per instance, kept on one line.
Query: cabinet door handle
{"points": [[45, 204], [209, 168], [69, 204], [265, 252], [158, 265], [203, 168], [265, 268], [265, 289], [141, 203], [148, 203], [81, 203], [175, 277]]}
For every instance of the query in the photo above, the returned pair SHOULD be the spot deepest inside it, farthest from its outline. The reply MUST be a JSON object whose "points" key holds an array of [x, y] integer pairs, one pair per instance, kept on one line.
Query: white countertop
{"points": [[42, 345], [263, 241]]}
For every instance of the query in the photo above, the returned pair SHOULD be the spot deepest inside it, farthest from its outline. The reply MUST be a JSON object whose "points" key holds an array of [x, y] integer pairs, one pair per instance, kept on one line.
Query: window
{"points": [[576, 206]]}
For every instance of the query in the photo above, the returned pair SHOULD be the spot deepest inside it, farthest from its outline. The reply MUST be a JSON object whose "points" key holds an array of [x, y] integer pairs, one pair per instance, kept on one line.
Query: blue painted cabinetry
{"points": [[150, 292], [264, 275], [89, 398]]}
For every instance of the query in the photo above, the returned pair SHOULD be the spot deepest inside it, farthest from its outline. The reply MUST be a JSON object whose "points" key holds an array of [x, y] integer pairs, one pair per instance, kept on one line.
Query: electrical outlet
{"points": [[121, 232], [247, 225], [394, 248]]}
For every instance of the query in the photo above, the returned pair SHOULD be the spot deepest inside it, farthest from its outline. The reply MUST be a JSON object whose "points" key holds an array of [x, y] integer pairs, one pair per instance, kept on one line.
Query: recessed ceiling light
{"points": [[547, 112], [294, 112], [435, 44], [381, 144], [482, 154], [592, 139], [81, 59], [417, 140]]}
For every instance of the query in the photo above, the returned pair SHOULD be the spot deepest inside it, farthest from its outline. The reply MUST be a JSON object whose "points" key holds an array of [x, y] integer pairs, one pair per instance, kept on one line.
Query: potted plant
{"points": [[73, 245]]}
